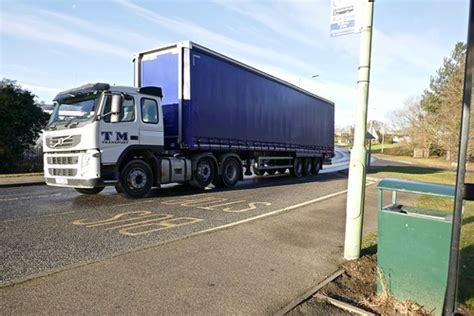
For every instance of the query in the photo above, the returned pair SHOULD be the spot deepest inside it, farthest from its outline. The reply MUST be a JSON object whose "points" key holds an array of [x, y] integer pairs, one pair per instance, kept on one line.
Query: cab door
{"points": [[151, 122], [114, 138]]}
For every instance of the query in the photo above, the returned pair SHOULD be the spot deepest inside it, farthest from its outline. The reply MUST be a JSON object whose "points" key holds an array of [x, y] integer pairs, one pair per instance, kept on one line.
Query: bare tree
{"points": [[415, 122]]}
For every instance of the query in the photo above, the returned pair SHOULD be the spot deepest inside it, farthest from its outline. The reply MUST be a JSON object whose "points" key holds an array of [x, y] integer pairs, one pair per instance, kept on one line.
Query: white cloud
{"points": [[109, 32], [211, 39], [35, 29]]}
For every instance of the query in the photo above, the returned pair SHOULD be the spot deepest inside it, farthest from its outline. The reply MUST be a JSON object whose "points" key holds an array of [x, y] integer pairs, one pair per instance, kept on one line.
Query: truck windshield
{"points": [[71, 112]]}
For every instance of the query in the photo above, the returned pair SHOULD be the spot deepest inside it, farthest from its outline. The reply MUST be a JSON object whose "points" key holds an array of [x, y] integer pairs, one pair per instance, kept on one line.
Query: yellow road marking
{"points": [[113, 219], [166, 224], [160, 217], [252, 206], [129, 224], [207, 203], [212, 207], [194, 202]]}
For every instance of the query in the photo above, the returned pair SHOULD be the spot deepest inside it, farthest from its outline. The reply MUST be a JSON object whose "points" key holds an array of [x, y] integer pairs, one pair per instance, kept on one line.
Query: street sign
{"points": [[344, 17]]}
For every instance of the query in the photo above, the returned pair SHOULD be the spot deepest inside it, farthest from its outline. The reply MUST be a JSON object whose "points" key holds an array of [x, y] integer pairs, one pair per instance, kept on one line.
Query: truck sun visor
{"points": [[84, 89]]}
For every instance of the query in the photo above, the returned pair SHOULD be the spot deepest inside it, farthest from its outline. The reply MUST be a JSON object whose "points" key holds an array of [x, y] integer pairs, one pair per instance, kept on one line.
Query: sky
{"points": [[50, 46]]}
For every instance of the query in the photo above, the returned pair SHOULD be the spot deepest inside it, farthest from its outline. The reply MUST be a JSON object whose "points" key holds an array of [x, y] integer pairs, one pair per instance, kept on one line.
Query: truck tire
{"points": [[297, 169], [231, 170], [317, 165], [91, 191], [307, 166], [204, 173], [136, 179]]}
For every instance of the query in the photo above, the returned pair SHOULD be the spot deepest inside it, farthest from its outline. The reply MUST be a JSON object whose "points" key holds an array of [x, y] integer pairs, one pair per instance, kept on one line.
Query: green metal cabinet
{"points": [[413, 245]]}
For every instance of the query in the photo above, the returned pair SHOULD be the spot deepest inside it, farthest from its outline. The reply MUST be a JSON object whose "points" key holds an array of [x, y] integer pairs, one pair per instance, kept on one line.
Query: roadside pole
{"points": [[464, 191], [358, 162]]}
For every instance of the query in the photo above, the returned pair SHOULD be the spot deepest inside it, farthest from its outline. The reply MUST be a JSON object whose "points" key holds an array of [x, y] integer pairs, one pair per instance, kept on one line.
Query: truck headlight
{"points": [[86, 158], [89, 162]]}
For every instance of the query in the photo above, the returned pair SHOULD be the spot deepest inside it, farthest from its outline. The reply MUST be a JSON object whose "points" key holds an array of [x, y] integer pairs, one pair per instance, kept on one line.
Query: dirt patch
{"points": [[357, 286]]}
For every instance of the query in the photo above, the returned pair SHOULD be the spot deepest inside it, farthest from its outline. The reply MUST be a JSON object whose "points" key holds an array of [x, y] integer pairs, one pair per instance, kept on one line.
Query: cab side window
{"points": [[149, 111], [128, 109]]}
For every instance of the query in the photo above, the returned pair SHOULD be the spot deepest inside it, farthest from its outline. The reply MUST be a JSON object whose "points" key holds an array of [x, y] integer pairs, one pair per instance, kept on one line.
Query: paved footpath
{"points": [[253, 268]]}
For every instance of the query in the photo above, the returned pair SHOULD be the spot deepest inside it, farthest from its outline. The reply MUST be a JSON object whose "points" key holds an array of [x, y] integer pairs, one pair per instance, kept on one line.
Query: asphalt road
{"points": [[45, 229]]}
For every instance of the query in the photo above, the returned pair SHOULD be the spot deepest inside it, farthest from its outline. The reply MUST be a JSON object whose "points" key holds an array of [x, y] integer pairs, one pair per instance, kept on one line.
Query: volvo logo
{"points": [[60, 141]]}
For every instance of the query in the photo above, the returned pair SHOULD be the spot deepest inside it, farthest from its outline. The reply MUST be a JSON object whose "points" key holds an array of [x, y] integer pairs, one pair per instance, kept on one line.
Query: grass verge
{"points": [[12, 175]]}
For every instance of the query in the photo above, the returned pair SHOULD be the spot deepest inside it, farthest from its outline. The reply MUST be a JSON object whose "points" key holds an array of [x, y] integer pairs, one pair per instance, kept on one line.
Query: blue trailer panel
{"points": [[163, 72], [213, 102]]}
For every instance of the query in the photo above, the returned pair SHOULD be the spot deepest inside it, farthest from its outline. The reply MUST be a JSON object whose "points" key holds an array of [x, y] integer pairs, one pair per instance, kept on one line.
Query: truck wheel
{"points": [[94, 190], [204, 173], [256, 171], [136, 179], [231, 170], [307, 166], [297, 169], [317, 165]]}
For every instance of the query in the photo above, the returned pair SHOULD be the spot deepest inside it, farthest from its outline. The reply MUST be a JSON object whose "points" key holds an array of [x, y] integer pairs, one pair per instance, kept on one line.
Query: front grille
{"points": [[62, 172], [63, 160], [63, 141]]}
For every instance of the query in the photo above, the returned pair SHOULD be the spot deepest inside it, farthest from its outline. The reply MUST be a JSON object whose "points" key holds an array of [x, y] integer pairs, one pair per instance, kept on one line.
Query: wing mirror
{"points": [[116, 108]]}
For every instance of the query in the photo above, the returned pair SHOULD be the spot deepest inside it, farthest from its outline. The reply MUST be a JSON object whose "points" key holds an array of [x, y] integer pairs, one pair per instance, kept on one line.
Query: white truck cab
{"points": [[95, 128]]}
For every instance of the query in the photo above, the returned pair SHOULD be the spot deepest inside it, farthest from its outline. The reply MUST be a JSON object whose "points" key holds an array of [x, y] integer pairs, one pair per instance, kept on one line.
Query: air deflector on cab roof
{"points": [[84, 89]]}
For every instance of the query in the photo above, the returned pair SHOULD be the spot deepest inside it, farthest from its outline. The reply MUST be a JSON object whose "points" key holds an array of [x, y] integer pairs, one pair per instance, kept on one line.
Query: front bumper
{"points": [[73, 169], [74, 183]]}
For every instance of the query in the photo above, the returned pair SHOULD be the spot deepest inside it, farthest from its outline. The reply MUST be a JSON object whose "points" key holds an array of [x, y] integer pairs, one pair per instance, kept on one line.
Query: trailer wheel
{"points": [[307, 166], [94, 190], [204, 173], [271, 171], [297, 169], [136, 179], [231, 170], [317, 165], [282, 171]]}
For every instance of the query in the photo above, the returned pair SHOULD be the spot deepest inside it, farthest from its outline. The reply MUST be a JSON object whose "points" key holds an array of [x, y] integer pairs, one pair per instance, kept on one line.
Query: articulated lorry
{"points": [[194, 116]]}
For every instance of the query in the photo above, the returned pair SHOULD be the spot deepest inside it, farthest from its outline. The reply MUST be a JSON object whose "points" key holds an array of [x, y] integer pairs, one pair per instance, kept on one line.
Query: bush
{"points": [[21, 121], [398, 151]]}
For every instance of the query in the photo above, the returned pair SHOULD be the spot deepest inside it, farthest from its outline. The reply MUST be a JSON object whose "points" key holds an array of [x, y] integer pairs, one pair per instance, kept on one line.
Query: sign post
{"points": [[344, 17], [358, 162]]}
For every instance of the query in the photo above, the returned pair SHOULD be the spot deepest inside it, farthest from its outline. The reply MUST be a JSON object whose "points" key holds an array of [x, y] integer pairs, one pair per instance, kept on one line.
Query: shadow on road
{"points": [[185, 190]]}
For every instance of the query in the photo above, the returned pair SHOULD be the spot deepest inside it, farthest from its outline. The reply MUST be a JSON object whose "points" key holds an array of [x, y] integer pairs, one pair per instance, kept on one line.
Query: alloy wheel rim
{"points": [[137, 179]]}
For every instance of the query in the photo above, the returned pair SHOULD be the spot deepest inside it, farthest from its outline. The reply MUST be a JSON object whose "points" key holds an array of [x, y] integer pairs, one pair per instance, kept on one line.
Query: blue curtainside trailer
{"points": [[213, 102], [194, 116]]}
